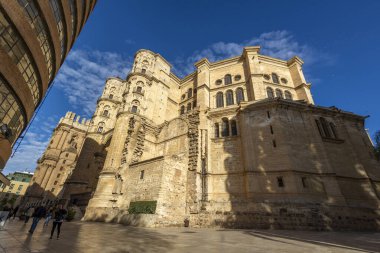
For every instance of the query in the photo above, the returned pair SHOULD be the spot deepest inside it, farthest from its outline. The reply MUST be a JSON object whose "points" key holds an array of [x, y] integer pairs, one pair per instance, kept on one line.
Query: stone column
{"points": [[123, 145], [47, 177], [63, 138], [255, 89]]}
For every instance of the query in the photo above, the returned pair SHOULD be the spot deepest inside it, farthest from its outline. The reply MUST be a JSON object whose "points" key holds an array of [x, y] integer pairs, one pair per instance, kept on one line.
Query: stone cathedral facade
{"points": [[237, 143]]}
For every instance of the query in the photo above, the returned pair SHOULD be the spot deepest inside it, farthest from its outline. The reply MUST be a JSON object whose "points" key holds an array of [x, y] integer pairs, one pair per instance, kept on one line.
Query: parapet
{"points": [[74, 120]]}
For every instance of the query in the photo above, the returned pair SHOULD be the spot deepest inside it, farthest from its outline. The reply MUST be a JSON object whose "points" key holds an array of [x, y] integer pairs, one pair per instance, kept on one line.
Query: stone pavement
{"points": [[103, 237]]}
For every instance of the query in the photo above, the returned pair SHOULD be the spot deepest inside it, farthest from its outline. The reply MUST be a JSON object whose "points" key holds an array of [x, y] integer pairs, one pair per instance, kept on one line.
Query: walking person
{"points": [[28, 214], [59, 216], [10, 213], [38, 214], [15, 211], [48, 216]]}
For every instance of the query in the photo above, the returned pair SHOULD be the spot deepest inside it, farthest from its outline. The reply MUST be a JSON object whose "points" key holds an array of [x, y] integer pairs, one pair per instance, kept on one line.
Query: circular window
{"points": [[237, 77], [283, 80], [266, 77], [218, 82]]}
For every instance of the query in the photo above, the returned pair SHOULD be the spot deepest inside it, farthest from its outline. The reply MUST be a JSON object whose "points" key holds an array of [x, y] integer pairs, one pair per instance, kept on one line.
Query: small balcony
{"points": [[142, 71]]}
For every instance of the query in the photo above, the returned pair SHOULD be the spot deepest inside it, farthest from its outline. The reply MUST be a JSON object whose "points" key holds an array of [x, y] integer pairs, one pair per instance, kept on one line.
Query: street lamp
{"points": [[5, 131]]}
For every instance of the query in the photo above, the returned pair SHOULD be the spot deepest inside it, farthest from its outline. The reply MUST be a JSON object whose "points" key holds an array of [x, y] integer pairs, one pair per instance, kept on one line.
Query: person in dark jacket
{"points": [[29, 213], [38, 214], [15, 211], [59, 215]]}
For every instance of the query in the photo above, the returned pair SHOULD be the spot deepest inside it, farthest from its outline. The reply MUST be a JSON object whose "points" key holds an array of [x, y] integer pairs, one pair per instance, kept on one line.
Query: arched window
{"points": [[134, 109], [182, 109], [110, 96], [279, 93], [219, 99], [106, 111], [100, 127], [189, 93], [216, 128], [227, 79], [230, 97], [194, 103], [225, 127], [143, 71], [270, 92], [188, 106], [233, 127], [239, 95], [288, 95], [139, 89], [275, 78]]}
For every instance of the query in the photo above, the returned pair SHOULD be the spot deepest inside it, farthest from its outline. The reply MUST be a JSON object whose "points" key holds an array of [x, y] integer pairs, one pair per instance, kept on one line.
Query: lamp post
{"points": [[5, 131]]}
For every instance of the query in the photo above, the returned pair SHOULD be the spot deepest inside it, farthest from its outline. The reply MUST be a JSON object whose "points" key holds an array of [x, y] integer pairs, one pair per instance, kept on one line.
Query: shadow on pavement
{"points": [[327, 239]]}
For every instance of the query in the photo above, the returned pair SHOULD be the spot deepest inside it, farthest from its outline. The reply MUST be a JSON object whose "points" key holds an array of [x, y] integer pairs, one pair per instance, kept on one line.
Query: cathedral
{"points": [[237, 143]]}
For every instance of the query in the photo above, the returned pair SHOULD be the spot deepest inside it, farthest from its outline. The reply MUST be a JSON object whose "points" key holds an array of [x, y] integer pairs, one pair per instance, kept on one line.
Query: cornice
{"points": [[203, 61], [251, 49], [278, 84], [188, 77], [295, 60], [117, 78], [230, 86], [175, 78], [215, 112], [300, 105], [158, 158], [131, 74], [64, 125], [272, 60], [225, 61], [203, 86], [303, 85], [109, 100], [171, 100]]}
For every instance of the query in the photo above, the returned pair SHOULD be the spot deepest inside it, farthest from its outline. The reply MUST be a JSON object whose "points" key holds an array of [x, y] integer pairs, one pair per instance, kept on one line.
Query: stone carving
{"points": [[204, 172], [192, 205], [131, 126], [118, 184], [73, 142], [139, 149], [193, 119]]}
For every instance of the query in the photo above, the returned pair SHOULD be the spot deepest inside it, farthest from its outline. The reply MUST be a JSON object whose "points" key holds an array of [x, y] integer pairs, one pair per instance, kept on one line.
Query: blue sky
{"points": [[338, 40]]}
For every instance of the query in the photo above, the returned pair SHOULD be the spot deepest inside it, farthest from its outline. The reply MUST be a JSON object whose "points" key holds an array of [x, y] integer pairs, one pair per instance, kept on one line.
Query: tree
{"points": [[377, 145]]}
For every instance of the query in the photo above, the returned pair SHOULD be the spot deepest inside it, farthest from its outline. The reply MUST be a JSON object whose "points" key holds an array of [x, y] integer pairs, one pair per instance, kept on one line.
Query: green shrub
{"points": [[70, 214], [148, 207]]}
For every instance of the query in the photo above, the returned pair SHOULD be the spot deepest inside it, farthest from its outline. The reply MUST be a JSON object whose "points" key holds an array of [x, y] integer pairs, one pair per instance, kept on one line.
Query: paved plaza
{"points": [[103, 237]]}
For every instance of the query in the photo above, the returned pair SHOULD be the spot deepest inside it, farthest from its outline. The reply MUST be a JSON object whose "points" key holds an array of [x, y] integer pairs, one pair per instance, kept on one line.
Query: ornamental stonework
{"points": [[236, 143]]}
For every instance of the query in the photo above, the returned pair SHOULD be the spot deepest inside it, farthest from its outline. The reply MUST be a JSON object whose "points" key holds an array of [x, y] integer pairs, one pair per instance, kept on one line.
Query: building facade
{"points": [[59, 159], [12, 194], [237, 143], [35, 38]]}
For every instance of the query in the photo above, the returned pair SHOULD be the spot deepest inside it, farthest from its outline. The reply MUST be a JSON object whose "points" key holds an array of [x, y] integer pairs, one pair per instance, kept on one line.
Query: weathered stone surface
{"points": [[216, 149]]}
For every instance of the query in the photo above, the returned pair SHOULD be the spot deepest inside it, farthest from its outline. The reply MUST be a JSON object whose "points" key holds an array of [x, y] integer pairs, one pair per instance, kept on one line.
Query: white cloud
{"points": [[81, 80], [33, 145], [278, 44], [83, 75]]}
